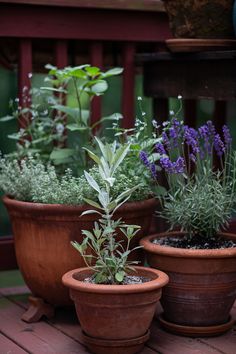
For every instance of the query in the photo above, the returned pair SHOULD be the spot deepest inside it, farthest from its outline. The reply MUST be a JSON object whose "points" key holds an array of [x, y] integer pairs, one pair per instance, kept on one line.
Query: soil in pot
{"points": [[200, 19], [115, 318], [202, 287]]}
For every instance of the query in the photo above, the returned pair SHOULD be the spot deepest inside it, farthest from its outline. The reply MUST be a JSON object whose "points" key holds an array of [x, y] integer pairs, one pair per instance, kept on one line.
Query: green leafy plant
{"points": [[109, 257], [45, 115]]}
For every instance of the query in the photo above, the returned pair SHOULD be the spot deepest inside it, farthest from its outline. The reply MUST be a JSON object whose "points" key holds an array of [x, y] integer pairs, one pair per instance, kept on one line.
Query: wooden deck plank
{"points": [[9, 347], [166, 343], [227, 343], [63, 332], [38, 338]]}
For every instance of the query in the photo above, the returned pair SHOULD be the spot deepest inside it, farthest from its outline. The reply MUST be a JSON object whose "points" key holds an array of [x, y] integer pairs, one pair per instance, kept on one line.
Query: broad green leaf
{"points": [[100, 87], [92, 70], [114, 116], [120, 276], [6, 118], [112, 72], [60, 154]]}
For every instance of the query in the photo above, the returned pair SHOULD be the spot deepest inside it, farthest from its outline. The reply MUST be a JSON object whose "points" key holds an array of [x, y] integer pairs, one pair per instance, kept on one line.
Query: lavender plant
{"points": [[109, 258], [200, 169]]}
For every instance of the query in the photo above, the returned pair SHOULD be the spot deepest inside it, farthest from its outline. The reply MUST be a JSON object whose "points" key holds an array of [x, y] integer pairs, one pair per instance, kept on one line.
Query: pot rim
{"points": [[161, 280], [186, 253], [27, 206]]}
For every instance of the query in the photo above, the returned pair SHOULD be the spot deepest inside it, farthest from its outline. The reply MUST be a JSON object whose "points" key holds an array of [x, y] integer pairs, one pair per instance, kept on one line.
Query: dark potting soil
{"points": [[195, 243], [128, 280]]}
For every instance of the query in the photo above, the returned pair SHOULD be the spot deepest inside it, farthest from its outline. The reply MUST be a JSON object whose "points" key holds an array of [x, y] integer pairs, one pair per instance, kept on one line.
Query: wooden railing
{"points": [[106, 32]]}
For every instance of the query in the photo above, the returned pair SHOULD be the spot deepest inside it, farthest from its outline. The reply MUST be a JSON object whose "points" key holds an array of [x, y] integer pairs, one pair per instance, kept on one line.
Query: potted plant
{"points": [[200, 259], [207, 19], [115, 300], [44, 200]]}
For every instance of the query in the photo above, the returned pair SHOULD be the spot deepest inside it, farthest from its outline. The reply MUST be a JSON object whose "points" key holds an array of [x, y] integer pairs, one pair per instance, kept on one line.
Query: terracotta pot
{"points": [[202, 287], [200, 19], [115, 318], [42, 235]]}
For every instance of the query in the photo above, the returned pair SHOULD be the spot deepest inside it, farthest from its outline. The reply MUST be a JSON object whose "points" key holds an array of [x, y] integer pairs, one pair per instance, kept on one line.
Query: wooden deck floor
{"points": [[62, 334]]}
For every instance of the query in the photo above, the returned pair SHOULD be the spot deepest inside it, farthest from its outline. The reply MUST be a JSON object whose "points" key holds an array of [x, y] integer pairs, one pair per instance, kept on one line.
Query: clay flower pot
{"points": [[115, 319], [42, 235], [202, 287], [200, 19]]}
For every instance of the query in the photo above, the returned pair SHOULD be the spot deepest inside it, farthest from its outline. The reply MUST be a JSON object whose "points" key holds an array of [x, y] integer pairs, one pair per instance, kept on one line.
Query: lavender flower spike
{"points": [[144, 158], [219, 145], [227, 136], [160, 149]]}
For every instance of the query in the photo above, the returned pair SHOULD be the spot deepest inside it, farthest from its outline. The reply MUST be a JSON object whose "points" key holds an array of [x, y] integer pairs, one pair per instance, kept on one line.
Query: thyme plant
{"points": [[200, 170], [109, 257]]}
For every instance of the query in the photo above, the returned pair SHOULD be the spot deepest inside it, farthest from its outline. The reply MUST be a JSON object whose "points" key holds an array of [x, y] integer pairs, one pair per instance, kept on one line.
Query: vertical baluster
{"points": [[61, 55], [128, 98], [160, 109], [220, 114], [190, 112], [24, 71], [96, 58]]}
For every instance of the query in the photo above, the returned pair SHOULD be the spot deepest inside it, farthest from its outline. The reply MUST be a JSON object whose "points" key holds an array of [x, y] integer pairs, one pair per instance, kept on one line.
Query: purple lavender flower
{"points": [[227, 136], [173, 167], [179, 165], [191, 138], [205, 135], [166, 140], [144, 158], [166, 164], [211, 128], [219, 145], [152, 168], [160, 149], [174, 131]]}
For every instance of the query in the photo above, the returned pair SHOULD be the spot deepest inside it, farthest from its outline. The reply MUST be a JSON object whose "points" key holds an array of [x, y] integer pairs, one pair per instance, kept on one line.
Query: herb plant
{"points": [[201, 175], [109, 258], [33, 181], [45, 115]]}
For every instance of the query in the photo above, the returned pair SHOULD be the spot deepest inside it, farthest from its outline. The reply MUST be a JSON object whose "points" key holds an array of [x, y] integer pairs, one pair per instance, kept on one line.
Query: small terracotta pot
{"points": [[202, 287], [200, 19], [115, 318], [42, 235]]}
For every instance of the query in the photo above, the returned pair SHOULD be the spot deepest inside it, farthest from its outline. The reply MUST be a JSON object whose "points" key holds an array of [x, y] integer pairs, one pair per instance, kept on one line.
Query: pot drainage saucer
{"points": [[195, 331], [111, 346]]}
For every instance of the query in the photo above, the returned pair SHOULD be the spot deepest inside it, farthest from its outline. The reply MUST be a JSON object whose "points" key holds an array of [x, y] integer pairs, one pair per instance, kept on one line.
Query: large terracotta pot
{"points": [[42, 235], [115, 318], [200, 18], [202, 287]]}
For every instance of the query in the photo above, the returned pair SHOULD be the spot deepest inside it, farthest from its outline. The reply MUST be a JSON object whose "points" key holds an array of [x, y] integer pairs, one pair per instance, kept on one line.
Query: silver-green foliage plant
{"points": [[202, 207], [109, 256]]}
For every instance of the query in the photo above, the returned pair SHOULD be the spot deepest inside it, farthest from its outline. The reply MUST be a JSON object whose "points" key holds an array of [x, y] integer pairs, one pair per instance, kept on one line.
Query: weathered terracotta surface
{"points": [[115, 313], [202, 287], [42, 235], [200, 18]]}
